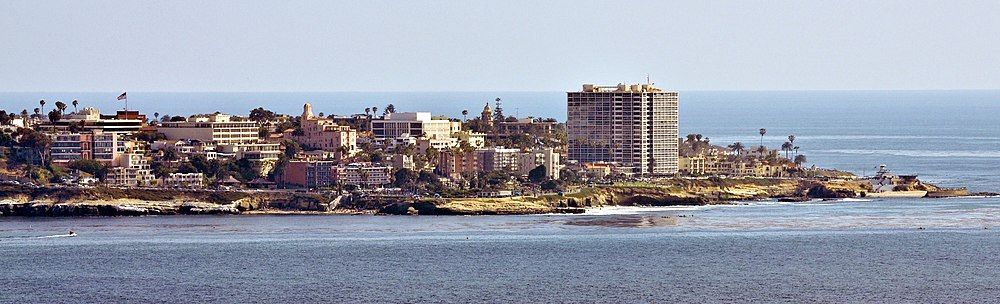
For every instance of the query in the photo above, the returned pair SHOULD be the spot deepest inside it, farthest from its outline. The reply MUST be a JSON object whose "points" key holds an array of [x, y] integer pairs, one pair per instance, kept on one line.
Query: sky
{"points": [[280, 46]]}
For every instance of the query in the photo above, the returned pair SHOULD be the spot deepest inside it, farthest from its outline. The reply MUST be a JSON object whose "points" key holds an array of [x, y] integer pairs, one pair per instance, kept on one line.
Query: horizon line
{"points": [[516, 91]]}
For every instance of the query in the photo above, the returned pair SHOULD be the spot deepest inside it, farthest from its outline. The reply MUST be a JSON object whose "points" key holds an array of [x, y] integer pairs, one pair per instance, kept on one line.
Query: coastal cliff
{"points": [[665, 192], [23, 201]]}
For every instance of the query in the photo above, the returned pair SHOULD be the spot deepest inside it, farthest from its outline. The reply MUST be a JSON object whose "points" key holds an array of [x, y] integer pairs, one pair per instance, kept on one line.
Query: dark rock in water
{"points": [[570, 210], [821, 191], [988, 194], [793, 199]]}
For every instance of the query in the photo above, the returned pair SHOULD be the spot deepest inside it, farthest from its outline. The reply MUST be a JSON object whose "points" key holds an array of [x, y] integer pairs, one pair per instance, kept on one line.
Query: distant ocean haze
{"points": [[948, 137]]}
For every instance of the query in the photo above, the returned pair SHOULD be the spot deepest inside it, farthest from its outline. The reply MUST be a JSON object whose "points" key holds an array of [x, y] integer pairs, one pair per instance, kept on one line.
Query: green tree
{"points": [[550, 185], [92, 167], [291, 148], [537, 175], [404, 178], [800, 159], [262, 116], [161, 170]]}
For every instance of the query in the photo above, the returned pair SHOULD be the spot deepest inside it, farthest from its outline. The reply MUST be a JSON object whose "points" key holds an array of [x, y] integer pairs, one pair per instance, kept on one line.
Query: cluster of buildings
{"points": [[625, 129], [715, 162], [402, 137]]}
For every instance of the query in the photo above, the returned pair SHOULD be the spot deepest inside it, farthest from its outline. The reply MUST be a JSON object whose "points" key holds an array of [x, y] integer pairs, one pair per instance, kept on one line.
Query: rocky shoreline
{"points": [[21, 201]]}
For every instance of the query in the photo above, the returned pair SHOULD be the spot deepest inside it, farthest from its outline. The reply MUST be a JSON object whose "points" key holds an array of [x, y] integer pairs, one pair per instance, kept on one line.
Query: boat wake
{"points": [[55, 236]]}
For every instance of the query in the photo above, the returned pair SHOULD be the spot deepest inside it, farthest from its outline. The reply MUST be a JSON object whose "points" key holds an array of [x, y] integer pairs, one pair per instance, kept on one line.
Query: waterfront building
{"points": [[632, 125], [454, 164], [309, 173], [366, 175], [132, 169], [326, 173], [183, 180]]}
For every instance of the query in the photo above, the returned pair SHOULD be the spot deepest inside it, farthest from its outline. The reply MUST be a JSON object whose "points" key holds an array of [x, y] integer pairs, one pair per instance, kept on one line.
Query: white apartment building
{"points": [[217, 128], [131, 170], [365, 174], [541, 157], [499, 159], [184, 180], [634, 126], [416, 124]]}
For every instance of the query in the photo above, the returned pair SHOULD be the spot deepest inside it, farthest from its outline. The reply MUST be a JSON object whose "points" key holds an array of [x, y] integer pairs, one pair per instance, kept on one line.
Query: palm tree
{"points": [[737, 147], [54, 116], [787, 147], [156, 116], [368, 111], [38, 112], [465, 115], [61, 106], [762, 132], [75, 103], [42, 104], [374, 110], [796, 148], [791, 138], [24, 114]]}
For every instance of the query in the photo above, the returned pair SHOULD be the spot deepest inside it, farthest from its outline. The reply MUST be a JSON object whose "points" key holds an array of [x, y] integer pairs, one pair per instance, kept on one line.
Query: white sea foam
{"points": [[621, 210], [854, 200]]}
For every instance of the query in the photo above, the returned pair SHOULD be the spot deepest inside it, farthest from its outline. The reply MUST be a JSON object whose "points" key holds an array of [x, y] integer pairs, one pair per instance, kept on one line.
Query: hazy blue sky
{"points": [[499, 45]]}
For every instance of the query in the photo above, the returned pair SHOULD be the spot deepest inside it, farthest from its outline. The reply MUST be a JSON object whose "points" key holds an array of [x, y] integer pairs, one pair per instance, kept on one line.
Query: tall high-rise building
{"points": [[634, 126]]}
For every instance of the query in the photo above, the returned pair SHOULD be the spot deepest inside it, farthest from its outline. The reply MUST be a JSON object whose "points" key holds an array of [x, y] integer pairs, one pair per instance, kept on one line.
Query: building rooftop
{"points": [[620, 88]]}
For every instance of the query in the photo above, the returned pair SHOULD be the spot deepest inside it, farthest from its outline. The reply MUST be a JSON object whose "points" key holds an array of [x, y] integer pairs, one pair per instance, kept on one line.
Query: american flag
{"points": [[122, 96]]}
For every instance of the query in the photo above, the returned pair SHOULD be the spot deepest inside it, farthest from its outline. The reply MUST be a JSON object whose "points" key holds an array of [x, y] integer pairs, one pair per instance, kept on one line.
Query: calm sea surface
{"points": [[848, 251], [893, 250]]}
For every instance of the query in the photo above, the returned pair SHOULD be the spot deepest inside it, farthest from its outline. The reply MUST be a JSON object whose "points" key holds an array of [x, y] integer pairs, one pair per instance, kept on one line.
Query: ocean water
{"points": [[951, 138], [885, 251]]}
